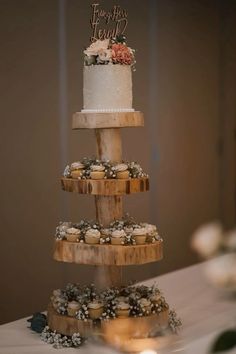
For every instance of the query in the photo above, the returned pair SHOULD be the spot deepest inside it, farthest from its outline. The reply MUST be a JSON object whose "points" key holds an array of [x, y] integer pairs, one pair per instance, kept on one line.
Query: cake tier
{"points": [[107, 120], [107, 88], [105, 186], [138, 326], [107, 254]]}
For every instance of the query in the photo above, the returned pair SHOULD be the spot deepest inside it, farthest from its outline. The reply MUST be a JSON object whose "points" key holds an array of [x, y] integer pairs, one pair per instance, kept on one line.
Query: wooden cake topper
{"points": [[113, 22]]}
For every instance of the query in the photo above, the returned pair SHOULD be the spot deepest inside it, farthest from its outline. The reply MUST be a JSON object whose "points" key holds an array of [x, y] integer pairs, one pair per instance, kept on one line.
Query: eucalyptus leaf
{"points": [[226, 341]]}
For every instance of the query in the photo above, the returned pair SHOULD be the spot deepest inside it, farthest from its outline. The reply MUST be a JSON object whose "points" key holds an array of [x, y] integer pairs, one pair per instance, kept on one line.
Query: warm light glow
{"points": [[148, 352]]}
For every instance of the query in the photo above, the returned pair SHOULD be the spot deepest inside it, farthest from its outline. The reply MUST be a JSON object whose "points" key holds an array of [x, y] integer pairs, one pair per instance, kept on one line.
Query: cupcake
{"points": [[92, 236], [72, 308], [140, 235], [122, 309], [97, 172], [146, 305], [121, 171], [151, 231], [72, 234], [76, 169], [118, 237], [95, 309]]}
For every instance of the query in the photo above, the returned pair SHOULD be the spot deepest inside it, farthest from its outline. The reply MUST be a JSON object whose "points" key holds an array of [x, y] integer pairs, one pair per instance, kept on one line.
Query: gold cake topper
{"points": [[114, 22]]}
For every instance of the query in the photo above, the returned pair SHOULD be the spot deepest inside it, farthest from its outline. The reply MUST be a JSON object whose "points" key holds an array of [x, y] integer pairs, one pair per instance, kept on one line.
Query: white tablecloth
{"points": [[204, 313]]}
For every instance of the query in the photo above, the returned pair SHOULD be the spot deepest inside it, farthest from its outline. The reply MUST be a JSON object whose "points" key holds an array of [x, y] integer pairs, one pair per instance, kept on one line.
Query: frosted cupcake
{"points": [[151, 231], [95, 309], [140, 235], [76, 169], [118, 237], [92, 236], [97, 172], [72, 234], [121, 171], [122, 309], [146, 305], [72, 308]]}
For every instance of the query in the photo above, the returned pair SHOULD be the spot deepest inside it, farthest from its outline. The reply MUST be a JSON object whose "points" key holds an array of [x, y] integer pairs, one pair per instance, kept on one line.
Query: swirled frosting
{"points": [[121, 167], [118, 233], [140, 231], [76, 166], [73, 231], [93, 233], [98, 168]]}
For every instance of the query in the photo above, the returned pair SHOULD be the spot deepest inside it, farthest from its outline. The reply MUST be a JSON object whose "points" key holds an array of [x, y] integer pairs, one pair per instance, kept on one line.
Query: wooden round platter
{"points": [[83, 120], [107, 254], [114, 331], [105, 186]]}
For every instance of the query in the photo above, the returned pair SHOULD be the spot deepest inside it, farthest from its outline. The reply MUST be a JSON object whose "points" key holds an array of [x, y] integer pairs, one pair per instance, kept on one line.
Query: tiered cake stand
{"points": [[109, 206]]}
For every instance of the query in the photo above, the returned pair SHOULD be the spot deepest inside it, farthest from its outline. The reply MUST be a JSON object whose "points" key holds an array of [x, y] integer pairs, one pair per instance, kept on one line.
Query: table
{"points": [[204, 313]]}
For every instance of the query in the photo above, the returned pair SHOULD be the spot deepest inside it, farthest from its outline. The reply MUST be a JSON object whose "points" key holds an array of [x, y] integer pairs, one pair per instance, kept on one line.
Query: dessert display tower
{"points": [[108, 195]]}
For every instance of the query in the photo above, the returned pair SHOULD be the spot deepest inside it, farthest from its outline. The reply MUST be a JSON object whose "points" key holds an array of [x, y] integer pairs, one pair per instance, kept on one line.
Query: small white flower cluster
{"points": [[110, 168], [174, 321], [83, 313], [108, 297], [60, 341]]}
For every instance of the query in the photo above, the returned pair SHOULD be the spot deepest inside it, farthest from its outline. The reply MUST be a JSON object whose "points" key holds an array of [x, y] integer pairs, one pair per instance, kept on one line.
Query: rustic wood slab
{"points": [[105, 186], [68, 325], [112, 255], [116, 332], [107, 120]]}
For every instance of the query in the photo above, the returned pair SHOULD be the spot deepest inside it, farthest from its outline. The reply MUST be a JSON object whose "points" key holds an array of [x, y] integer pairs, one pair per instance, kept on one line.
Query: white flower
{"points": [[221, 271], [104, 55], [230, 241], [97, 46], [207, 239]]}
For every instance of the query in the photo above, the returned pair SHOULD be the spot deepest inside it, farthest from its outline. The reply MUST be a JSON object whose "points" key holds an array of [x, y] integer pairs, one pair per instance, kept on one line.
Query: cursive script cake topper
{"points": [[114, 22]]}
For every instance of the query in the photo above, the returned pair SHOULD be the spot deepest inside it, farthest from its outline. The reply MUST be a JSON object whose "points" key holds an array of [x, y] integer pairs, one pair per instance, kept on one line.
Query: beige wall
{"points": [[184, 84]]}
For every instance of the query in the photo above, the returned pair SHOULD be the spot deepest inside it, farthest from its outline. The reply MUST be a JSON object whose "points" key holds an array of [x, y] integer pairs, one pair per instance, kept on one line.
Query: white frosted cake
{"points": [[107, 88], [107, 77]]}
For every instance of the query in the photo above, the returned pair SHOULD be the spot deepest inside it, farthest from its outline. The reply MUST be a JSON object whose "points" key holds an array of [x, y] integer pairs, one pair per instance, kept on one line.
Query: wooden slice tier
{"points": [[107, 254], [68, 325], [123, 328], [82, 120], [105, 186]]}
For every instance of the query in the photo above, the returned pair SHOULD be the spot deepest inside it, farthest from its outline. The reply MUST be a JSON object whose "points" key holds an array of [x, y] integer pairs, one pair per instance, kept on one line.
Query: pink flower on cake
{"points": [[121, 54]]}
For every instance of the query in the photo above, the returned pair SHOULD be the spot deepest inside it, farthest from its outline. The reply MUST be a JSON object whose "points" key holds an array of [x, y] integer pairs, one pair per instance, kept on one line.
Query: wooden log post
{"points": [[109, 208]]}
